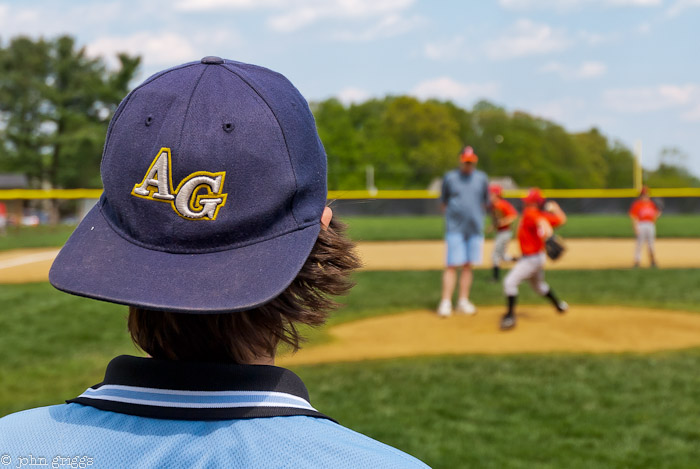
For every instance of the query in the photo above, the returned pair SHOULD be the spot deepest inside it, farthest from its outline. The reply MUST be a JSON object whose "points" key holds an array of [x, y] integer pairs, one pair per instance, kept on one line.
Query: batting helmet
{"points": [[495, 189], [534, 196]]}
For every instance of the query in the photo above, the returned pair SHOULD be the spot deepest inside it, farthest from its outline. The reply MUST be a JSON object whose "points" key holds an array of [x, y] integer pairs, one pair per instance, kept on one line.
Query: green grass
{"points": [[35, 237], [577, 226], [392, 292], [399, 228], [539, 410], [544, 411]]}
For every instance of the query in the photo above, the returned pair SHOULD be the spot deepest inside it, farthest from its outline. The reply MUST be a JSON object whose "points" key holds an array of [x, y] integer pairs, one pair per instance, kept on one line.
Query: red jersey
{"points": [[644, 210], [530, 240], [501, 208]]}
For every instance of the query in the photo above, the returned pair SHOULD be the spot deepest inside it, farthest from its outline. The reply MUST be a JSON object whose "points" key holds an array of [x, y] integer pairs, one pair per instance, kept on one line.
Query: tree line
{"points": [[409, 143], [56, 102]]}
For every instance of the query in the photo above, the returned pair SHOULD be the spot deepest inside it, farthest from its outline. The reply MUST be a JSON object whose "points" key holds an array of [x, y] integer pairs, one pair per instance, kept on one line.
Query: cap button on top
{"points": [[211, 59]]}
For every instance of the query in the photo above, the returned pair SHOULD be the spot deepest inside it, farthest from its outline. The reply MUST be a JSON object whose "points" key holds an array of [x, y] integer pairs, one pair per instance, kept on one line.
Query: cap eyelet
{"points": [[228, 127], [149, 120]]}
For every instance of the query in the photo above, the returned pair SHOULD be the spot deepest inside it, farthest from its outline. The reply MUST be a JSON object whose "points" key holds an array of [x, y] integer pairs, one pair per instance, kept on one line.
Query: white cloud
{"points": [[24, 21], [389, 26], [582, 71], [591, 69], [155, 48], [209, 5], [559, 110], [596, 39], [644, 28], [447, 88], [307, 12], [680, 5], [570, 4], [449, 49], [51, 19], [292, 15], [527, 38], [693, 115], [654, 98], [351, 95]]}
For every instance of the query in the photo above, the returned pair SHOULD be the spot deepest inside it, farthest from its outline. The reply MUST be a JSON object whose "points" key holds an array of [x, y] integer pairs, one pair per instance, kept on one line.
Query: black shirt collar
{"points": [[177, 390]]}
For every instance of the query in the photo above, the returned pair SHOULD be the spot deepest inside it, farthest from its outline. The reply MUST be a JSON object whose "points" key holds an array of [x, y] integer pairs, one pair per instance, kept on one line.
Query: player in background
{"points": [[644, 213], [3, 218], [464, 198], [536, 225], [503, 215]]}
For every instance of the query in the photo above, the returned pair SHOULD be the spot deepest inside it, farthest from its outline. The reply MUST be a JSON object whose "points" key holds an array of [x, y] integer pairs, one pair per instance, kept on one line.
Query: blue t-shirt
{"points": [[465, 197], [152, 414]]}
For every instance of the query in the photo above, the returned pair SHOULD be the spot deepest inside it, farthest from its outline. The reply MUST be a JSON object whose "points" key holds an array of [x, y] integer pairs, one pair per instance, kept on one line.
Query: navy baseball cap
{"points": [[214, 185]]}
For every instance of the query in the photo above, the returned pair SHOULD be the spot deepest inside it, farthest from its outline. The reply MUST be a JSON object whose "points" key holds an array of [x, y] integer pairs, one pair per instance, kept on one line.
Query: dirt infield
{"points": [[26, 265], [605, 253], [32, 265], [583, 329], [592, 329]]}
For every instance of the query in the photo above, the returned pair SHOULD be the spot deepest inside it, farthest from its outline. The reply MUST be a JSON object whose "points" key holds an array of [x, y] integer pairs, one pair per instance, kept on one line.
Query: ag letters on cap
{"points": [[198, 197]]}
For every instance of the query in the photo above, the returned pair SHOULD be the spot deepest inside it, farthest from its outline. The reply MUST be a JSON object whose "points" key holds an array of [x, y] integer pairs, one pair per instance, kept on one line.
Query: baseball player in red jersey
{"points": [[536, 225], [503, 215], [644, 213]]}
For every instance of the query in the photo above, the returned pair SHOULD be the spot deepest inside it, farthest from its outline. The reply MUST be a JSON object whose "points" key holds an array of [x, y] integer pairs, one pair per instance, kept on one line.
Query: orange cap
{"points": [[534, 196], [468, 155], [495, 189]]}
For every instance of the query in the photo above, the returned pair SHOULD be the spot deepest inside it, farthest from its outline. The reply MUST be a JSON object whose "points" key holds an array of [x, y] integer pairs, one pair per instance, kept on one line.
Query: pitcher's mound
{"points": [[540, 329]]}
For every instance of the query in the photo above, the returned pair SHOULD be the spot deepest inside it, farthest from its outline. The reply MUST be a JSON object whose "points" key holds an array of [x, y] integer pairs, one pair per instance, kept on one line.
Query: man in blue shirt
{"points": [[464, 198], [213, 229]]}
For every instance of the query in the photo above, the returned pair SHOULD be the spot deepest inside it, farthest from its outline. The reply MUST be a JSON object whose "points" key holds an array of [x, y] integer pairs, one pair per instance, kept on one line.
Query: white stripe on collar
{"points": [[195, 399]]}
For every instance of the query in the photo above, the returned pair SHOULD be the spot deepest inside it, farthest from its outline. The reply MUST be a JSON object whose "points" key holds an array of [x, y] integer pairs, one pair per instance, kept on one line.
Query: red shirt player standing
{"points": [[644, 213]]}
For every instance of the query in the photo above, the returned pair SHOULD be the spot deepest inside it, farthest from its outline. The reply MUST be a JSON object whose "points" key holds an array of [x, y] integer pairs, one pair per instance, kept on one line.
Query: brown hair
{"points": [[243, 336]]}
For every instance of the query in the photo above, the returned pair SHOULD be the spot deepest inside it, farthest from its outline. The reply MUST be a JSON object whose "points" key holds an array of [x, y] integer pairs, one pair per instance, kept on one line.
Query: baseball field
{"points": [[613, 383]]}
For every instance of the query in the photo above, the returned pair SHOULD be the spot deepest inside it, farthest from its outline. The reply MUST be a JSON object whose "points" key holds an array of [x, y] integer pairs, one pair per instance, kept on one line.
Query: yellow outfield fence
{"points": [[67, 194], [553, 193]]}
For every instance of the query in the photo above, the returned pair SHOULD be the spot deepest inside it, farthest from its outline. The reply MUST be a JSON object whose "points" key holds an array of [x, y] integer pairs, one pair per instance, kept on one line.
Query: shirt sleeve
{"points": [[444, 191], [508, 209], [633, 209], [553, 219]]}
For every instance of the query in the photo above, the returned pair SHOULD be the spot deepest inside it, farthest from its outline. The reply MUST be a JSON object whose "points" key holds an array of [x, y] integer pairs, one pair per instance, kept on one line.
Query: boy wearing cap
{"points": [[503, 215], [536, 225], [213, 229], [464, 197], [644, 213]]}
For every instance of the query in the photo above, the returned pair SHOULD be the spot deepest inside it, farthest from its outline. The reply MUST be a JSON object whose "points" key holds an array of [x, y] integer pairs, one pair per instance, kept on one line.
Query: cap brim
{"points": [[98, 263]]}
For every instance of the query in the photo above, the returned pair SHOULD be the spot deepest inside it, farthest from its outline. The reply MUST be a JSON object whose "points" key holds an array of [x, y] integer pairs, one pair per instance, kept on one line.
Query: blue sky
{"points": [[628, 67]]}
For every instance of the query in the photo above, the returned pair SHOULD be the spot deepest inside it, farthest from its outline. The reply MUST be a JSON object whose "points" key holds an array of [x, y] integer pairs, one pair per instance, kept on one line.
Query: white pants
{"points": [[527, 268], [646, 232], [500, 246]]}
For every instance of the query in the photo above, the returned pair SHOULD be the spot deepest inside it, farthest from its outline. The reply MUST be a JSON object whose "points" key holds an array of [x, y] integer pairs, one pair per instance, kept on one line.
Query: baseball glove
{"points": [[554, 247]]}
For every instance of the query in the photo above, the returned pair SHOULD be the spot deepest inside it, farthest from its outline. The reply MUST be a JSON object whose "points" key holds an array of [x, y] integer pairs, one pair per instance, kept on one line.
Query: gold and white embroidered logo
{"points": [[197, 197]]}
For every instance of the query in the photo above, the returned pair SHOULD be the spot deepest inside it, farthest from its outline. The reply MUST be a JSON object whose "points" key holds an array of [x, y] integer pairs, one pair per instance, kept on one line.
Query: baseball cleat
{"points": [[507, 322], [444, 309], [465, 306], [562, 307]]}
